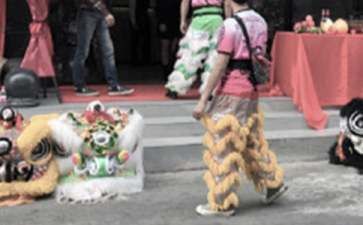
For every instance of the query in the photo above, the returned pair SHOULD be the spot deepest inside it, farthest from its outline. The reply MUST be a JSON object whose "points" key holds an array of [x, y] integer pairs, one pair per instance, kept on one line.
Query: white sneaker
{"points": [[205, 210]]}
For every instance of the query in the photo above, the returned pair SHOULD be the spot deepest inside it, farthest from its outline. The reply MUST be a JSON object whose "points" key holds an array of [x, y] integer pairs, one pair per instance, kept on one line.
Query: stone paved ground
{"points": [[319, 194]]}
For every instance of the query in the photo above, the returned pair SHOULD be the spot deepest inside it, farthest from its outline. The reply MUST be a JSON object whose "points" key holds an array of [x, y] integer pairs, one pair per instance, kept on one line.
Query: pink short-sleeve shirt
{"points": [[200, 3], [232, 42]]}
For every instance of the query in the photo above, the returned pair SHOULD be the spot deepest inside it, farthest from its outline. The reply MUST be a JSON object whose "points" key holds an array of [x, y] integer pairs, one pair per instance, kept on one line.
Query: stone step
{"points": [[161, 108], [175, 117], [187, 126], [173, 139], [169, 154]]}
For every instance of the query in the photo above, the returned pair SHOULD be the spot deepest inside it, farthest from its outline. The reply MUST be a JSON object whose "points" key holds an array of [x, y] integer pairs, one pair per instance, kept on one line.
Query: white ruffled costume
{"points": [[197, 49]]}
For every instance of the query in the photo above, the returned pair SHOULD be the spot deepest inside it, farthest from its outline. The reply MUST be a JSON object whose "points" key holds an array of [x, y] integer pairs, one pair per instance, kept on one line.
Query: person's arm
{"points": [[343, 124], [227, 9], [214, 78], [184, 10], [339, 149]]}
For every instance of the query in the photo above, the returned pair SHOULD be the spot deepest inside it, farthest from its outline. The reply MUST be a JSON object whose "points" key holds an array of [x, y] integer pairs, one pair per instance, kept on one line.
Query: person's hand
{"points": [[110, 20], [263, 60], [183, 27], [340, 153], [199, 110]]}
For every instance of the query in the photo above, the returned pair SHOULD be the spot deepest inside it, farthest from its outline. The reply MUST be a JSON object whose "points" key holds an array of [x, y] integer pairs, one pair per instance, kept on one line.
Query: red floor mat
{"points": [[142, 93]]}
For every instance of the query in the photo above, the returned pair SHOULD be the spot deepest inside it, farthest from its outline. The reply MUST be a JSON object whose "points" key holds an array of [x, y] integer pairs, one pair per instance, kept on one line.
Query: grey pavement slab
{"points": [[319, 194], [184, 153], [169, 155], [187, 126]]}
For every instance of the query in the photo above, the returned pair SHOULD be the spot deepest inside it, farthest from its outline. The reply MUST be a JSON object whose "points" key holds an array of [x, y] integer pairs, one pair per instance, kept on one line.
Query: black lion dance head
{"points": [[348, 150]]}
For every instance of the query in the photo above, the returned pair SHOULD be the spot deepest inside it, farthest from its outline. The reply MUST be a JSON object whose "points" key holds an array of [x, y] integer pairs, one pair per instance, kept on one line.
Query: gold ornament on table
{"points": [[341, 26]]}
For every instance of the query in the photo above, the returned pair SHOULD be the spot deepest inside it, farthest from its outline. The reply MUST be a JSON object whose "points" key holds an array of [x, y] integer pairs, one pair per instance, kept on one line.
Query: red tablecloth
{"points": [[318, 70]]}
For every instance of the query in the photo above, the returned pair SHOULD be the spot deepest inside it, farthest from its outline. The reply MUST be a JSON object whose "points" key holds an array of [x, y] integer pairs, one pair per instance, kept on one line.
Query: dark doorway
{"points": [[17, 28], [280, 14]]}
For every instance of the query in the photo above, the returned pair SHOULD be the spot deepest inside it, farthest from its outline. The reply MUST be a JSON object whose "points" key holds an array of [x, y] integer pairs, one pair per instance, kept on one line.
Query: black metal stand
{"points": [[55, 85]]}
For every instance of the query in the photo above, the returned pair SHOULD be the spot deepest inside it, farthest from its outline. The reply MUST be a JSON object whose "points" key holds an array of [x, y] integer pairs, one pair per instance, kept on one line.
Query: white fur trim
{"points": [[131, 140], [66, 138], [99, 190], [133, 131]]}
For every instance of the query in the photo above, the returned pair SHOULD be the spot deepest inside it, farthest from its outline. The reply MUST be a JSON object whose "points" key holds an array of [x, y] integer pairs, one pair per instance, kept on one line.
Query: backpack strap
{"points": [[245, 33], [243, 27]]}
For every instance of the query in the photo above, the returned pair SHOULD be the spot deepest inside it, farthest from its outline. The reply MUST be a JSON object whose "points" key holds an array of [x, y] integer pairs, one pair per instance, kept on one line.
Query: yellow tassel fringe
{"points": [[232, 147], [220, 169], [232, 180], [232, 201]]}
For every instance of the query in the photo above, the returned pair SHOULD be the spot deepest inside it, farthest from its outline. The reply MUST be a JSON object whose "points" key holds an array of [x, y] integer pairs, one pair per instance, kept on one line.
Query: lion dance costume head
{"points": [[28, 168], [348, 150], [106, 158]]}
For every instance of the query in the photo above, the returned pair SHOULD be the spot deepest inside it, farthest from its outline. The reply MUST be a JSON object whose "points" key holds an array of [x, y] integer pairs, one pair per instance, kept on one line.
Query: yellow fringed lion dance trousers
{"points": [[232, 148]]}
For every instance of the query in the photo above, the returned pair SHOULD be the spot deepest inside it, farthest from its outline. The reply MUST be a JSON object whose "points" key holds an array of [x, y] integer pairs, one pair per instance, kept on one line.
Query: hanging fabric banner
{"points": [[38, 56]]}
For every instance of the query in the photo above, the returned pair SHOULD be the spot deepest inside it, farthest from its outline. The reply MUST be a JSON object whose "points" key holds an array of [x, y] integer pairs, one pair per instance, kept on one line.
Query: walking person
{"points": [[197, 49], [94, 20], [235, 140]]}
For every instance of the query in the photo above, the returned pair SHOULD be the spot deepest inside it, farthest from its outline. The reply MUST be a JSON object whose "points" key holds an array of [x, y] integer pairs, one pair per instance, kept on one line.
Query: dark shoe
{"points": [[85, 91], [171, 94], [274, 193], [120, 90]]}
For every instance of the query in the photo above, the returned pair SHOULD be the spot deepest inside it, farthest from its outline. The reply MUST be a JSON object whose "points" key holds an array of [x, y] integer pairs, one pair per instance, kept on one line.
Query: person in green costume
{"points": [[197, 49]]}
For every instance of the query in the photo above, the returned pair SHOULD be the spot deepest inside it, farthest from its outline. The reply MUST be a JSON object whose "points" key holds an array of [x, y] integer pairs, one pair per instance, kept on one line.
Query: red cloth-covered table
{"points": [[317, 71]]}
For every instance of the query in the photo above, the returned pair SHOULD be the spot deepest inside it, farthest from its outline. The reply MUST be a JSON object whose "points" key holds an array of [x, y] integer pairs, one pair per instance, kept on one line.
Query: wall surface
{"points": [[338, 8]]}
